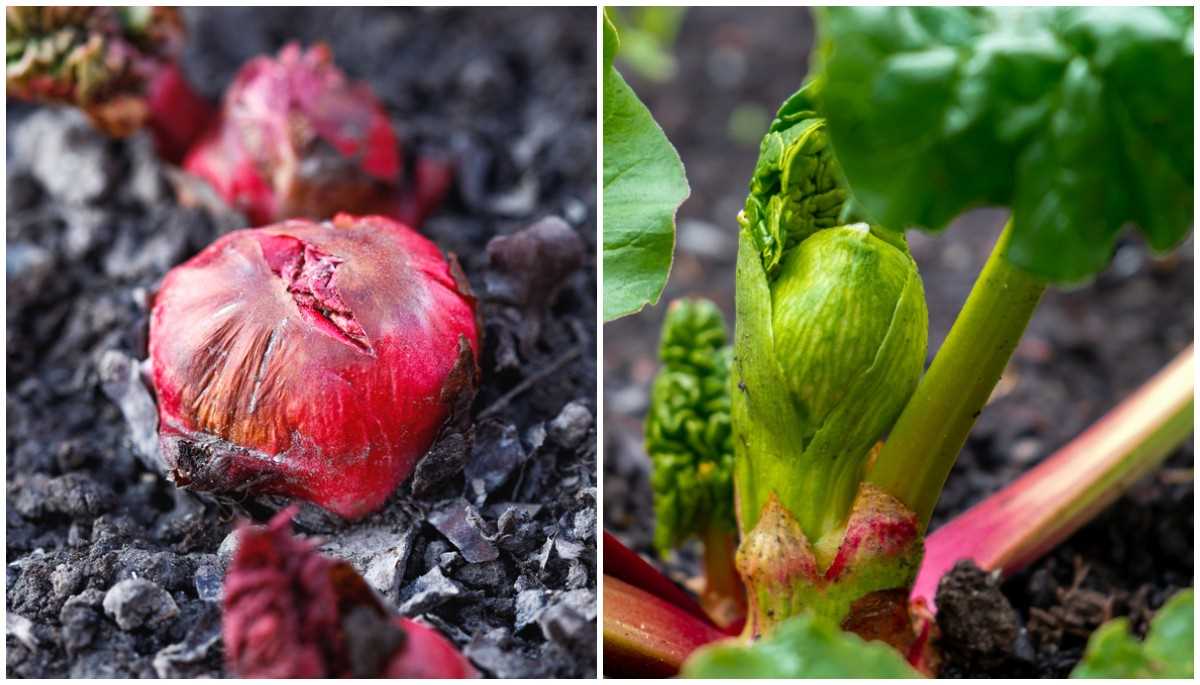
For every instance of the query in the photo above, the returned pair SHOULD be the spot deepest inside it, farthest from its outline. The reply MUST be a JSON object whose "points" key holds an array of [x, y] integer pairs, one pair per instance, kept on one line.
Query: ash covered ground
{"points": [[114, 572], [1084, 351]]}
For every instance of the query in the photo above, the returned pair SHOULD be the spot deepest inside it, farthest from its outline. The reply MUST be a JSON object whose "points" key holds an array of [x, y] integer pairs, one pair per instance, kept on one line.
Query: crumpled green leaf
{"points": [[1078, 118], [688, 433], [644, 184], [801, 647], [797, 187], [1112, 652]]}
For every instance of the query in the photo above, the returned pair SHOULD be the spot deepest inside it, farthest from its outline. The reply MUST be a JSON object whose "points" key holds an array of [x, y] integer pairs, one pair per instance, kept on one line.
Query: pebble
{"points": [[137, 603]]}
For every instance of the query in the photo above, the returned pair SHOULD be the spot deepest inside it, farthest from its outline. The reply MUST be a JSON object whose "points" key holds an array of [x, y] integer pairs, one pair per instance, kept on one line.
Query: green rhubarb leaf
{"points": [[688, 433], [1078, 118], [801, 647], [1112, 652], [644, 184]]}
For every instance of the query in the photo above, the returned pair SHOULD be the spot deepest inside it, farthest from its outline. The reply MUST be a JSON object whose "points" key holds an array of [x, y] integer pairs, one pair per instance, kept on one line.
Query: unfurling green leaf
{"points": [[827, 354], [801, 647], [829, 346], [797, 187], [1078, 118], [644, 184], [687, 426], [1166, 653]]}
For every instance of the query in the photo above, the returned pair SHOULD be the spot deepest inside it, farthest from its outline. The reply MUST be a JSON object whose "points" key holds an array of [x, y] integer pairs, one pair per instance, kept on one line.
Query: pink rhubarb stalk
{"points": [[1030, 516], [647, 636], [624, 564]]}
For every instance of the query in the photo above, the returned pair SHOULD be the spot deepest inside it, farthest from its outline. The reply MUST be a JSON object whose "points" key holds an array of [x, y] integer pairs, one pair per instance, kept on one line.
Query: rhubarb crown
{"points": [[831, 327]]}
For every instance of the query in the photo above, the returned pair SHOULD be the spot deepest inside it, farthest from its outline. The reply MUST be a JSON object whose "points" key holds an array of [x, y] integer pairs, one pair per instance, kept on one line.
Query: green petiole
{"points": [[925, 441]]}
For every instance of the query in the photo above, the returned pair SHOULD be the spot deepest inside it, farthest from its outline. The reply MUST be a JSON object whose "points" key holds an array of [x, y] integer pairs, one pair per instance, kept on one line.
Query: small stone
{"points": [[209, 583], [585, 524], [80, 618], [21, 628], [577, 576], [228, 548], [529, 607], [560, 623], [187, 659], [428, 592], [493, 652], [488, 574], [137, 603], [567, 549], [497, 453], [572, 425], [459, 522]]}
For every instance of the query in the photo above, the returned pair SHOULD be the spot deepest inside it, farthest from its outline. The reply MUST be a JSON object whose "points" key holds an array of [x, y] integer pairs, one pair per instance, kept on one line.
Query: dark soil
{"points": [[92, 225], [1084, 351]]}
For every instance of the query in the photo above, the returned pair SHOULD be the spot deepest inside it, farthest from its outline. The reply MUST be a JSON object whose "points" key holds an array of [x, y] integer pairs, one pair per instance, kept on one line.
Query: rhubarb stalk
{"points": [[1015, 526], [925, 441], [647, 636]]}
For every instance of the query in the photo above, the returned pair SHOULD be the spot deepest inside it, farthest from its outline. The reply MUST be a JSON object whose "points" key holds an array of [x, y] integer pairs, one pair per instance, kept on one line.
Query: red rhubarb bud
{"points": [[117, 64], [311, 360], [296, 138], [292, 613]]}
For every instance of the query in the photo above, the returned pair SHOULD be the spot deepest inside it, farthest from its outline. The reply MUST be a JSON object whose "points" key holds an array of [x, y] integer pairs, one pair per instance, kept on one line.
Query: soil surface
{"points": [[1084, 351], [92, 226]]}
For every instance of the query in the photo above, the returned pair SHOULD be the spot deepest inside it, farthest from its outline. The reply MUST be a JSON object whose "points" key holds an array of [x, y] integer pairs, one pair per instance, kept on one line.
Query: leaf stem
{"points": [[645, 636], [1043, 507], [624, 564], [724, 596], [926, 439]]}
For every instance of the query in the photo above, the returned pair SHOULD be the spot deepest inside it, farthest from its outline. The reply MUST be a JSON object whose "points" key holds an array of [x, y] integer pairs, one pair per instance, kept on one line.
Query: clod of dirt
{"points": [[980, 631], [428, 592], [526, 271], [137, 603], [571, 425]]}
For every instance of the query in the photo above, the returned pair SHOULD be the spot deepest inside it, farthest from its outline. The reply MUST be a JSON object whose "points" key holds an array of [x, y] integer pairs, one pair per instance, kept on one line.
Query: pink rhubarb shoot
{"points": [[311, 360], [117, 64], [290, 612], [296, 138]]}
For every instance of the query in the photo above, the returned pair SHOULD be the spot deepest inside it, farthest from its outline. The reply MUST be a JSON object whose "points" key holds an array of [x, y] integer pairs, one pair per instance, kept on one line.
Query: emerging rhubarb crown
{"points": [[296, 138], [687, 426], [312, 360], [829, 345], [112, 62]]}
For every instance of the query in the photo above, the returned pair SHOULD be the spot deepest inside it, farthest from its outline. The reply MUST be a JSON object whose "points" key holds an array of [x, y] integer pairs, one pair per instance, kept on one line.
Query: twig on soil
{"points": [[528, 383]]}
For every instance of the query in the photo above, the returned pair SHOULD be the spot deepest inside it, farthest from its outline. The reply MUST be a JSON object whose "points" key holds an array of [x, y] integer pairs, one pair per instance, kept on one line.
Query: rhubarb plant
{"points": [[689, 441], [914, 115]]}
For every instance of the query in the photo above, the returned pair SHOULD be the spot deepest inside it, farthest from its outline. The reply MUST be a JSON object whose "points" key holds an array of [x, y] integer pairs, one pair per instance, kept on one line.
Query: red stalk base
{"points": [[624, 564], [646, 636]]}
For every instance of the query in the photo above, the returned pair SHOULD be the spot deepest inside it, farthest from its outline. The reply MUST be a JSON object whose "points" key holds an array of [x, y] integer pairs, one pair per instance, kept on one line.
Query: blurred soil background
{"points": [[501, 560], [713, 81]]}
